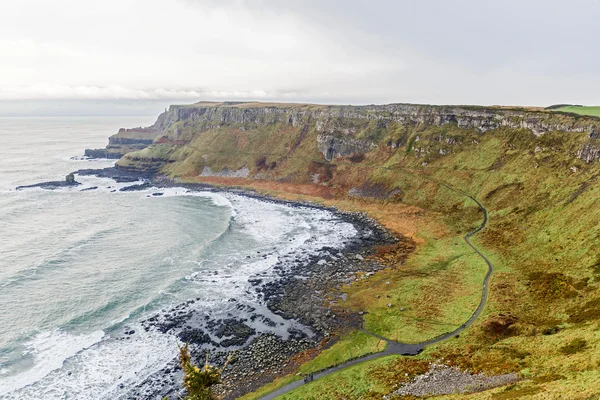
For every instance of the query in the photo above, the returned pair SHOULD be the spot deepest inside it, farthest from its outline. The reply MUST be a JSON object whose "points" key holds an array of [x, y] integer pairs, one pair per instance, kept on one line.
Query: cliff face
{"points": [[231, 136], [330, 119]]}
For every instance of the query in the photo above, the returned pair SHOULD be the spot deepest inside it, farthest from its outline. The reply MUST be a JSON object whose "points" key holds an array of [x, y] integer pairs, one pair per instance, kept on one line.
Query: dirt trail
{"points": [[406, 349]]}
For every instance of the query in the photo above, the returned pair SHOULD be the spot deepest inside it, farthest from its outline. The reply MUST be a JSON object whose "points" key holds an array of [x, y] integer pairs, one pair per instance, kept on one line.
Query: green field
{"points": [[582, 110]]}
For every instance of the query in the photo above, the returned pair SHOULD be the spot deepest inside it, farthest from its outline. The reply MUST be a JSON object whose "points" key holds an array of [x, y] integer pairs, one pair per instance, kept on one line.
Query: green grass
{"points": [[583, 110], [542, 219], [434, 293], [353, 382], [542, 204], [362, 381], [352, 345], [542, 222]]}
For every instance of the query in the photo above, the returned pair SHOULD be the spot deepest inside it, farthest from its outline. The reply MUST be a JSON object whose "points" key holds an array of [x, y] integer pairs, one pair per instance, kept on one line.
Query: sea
{"points": [[79, 266]]}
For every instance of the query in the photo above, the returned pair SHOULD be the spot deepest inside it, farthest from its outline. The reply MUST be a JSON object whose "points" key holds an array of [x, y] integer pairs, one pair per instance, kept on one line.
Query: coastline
{"points": [[403, 181], [301, 292]]}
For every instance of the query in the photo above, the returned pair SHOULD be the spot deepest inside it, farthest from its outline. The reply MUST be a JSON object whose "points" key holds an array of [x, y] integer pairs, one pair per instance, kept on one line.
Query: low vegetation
{"points": [[359, 382], [433, 293], [198, 382]]}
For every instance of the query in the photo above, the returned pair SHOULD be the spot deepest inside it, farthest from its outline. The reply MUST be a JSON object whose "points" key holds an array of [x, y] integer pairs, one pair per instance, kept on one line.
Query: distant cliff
{"points": [[330, 119], [308, 143], [126, 141]]}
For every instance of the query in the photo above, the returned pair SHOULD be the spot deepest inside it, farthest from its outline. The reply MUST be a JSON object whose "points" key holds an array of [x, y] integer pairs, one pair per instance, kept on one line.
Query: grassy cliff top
{"points": [[576, 112], [313, 106], [593, 111]]}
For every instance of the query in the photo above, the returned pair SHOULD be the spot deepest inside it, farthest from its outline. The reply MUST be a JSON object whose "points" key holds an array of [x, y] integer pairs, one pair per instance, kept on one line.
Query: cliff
{"points": [[188, 139], [126, 141]]}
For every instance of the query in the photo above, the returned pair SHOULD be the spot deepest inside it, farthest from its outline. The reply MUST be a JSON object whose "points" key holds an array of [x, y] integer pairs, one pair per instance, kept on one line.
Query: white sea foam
{"points": [[266, 222], [282, 233], [49, 351], [217, 199], [272, 222], [97, 372]]}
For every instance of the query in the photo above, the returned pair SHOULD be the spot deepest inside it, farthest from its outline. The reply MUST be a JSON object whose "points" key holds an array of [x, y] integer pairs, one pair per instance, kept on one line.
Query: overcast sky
{"points": [[111, 53]]}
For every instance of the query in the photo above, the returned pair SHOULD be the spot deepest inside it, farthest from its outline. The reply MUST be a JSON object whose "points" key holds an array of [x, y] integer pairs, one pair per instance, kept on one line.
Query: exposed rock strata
{"points": [[332, 147], [338, 131], [126, 141], [329, 120]]}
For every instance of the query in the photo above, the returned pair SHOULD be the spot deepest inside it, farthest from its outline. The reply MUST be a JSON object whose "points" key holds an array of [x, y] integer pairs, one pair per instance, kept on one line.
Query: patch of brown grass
{"points": [[480, 358], [499, 325], [396, 254], [550, 286], [512, 392], [503, 236], [400, 371], [588, 312], [285, 190]]}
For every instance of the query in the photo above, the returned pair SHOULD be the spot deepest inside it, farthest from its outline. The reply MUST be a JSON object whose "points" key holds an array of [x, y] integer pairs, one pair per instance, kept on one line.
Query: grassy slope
{"points": [[542, 235], [415, 304], [543, 244], [359, 382], [583, 110]]}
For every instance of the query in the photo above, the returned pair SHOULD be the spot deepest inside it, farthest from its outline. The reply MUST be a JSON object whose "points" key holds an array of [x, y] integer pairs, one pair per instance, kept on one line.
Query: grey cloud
{"points": [[352, 51]]}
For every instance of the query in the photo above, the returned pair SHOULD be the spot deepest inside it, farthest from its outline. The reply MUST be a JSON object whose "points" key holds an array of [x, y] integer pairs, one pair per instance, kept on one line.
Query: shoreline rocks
{"points": [[68, 182]]}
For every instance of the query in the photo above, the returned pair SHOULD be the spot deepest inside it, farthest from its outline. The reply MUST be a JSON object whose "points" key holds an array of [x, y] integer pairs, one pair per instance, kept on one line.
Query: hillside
{"points": [[535, 171]]}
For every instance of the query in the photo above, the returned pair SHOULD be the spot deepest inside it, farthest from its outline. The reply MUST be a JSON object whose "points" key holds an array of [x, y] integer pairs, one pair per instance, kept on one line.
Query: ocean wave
{"points": [[49, 351], [99, 371], [271, 221], [218, 199], [55, 260]]}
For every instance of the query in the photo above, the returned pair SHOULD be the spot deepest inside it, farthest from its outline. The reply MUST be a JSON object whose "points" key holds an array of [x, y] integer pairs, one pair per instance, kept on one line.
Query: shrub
{"points": [[199, 381]]}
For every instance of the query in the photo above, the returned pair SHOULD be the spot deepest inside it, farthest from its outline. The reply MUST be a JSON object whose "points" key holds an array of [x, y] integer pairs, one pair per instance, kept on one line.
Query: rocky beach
{"points": [[303, 290]]}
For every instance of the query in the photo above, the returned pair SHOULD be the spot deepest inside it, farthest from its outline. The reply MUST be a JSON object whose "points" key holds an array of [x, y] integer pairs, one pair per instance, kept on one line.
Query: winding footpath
{"points": [[407, 349]]}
